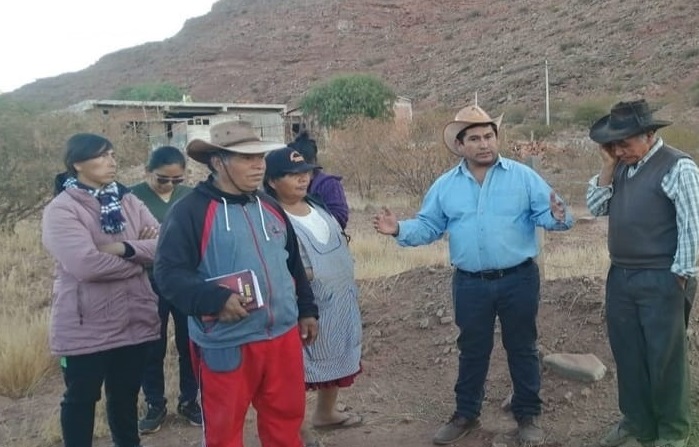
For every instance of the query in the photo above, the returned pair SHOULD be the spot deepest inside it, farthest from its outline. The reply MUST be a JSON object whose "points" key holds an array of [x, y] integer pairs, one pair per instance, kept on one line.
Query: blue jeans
{"points": [[514, 299], [153, 382]]}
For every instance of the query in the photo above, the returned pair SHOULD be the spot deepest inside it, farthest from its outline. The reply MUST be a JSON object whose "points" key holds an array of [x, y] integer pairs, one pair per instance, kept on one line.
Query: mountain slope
{"points": [[436, 51]]}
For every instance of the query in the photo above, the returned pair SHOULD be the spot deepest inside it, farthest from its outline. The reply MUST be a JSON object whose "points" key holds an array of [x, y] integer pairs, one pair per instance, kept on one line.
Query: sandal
{"points": [[352, 420]]}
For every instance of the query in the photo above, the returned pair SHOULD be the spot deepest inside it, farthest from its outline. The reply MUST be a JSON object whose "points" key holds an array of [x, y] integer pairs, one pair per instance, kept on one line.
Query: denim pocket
{"points": [[222, 359]]}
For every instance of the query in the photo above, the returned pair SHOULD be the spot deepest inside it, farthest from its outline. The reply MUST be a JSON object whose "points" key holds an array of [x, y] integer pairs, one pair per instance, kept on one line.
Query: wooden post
{"points": [[533, 162], [548, 111]]}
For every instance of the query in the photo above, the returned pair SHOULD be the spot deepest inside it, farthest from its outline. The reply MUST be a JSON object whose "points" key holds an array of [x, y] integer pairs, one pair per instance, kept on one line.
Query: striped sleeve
{"points": [[681, 185], [598, 197]]}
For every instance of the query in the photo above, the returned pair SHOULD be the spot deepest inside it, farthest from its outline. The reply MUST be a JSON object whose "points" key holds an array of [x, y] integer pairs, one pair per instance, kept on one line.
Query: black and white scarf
{"points": [[111, 218]]}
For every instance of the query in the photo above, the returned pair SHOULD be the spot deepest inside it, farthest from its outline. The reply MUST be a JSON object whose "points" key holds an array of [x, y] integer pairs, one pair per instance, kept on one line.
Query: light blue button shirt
{"points": [[490, 226]]}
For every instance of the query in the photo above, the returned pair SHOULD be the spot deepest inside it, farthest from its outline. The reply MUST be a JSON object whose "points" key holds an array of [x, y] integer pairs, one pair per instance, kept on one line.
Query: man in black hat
{"points": [[650, 191]]}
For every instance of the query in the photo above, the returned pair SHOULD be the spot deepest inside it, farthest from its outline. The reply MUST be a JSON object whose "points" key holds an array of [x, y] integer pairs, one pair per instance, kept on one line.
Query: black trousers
{"points": [[120, 370], [154, 375]]}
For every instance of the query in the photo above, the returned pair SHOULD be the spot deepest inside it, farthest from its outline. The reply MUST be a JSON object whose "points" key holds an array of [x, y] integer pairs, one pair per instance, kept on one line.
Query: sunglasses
{"points": [[162, 180]]}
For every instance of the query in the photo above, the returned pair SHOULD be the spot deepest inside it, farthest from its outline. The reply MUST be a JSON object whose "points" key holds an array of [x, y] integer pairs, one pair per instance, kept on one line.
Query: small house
{"points": [[176, 123]]}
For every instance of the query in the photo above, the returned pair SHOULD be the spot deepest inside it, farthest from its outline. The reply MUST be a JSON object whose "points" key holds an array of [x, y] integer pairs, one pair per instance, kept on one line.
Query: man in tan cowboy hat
{"points": [[241, 356], [650, 191], [490, 206]]}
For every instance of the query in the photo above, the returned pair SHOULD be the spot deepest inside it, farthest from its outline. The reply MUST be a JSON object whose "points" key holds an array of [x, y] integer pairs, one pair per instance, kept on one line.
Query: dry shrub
{"points": [[25, 283], [24, 354], [352, 152], [375, 154], [32, 146], [419, 156]]}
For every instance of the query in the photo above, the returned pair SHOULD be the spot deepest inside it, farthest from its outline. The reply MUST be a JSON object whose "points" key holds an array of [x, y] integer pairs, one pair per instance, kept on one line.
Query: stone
{"points": [[440, 313], [445, 320], [376, 333], [582, 367], [586, 392], [586, 219], [506, 404], [424, 323]]}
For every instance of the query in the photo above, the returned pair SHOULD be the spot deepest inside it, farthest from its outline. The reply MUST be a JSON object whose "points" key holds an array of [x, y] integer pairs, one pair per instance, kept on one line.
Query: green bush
{"points": [[150, 92], [690, 53], [681, 137], [515, 114], [342, 97], [587, 112], [537, 131], [565, 47], [694, 94]]}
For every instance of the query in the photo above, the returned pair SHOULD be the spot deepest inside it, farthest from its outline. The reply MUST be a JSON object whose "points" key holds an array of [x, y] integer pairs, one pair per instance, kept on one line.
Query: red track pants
{"points": [[271, 378]]}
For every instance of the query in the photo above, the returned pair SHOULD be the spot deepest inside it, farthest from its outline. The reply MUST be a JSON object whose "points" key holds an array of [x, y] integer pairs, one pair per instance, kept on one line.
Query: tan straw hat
{"points": [[468, 116], [233, 136]]}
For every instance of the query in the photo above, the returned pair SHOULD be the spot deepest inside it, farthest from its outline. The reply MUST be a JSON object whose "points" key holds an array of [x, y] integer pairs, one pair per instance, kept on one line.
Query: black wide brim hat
{"points": [[627, 119]]}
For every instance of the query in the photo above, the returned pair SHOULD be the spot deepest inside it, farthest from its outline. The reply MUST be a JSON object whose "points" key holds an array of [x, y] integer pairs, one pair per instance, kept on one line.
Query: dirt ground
{"points": [[410, 364]]}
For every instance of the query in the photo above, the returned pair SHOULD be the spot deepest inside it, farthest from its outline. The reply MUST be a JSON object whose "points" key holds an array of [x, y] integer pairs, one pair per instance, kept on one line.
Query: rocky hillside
{"points": [[434, 51]]}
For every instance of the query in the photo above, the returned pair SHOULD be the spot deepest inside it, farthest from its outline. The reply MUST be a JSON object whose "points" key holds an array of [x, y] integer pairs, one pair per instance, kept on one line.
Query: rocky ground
{"points": [[410, 362]]}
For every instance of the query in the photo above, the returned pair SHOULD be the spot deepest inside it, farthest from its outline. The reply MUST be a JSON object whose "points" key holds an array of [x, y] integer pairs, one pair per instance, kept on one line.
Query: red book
{"points": [[245, 283]]}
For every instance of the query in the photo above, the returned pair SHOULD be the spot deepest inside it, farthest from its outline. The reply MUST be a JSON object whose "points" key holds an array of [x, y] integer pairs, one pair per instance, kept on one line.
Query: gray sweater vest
{"points": [[642, 219]]}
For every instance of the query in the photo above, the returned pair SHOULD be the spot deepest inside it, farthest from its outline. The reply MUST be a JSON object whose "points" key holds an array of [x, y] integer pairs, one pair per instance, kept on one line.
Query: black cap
{"points": [[286, 161]]}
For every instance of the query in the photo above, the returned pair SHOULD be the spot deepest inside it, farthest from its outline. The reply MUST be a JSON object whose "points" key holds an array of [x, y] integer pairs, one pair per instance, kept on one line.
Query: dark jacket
{"points": [[210, 233], [329, 190]]}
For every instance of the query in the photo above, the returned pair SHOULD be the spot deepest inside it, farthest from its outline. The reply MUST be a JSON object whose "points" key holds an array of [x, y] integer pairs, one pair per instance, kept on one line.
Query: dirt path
{"points": [[410, 367]]}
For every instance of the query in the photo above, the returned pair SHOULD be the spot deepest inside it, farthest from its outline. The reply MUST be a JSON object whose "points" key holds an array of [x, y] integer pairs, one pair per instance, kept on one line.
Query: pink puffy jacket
{"points": [[100, 301]]}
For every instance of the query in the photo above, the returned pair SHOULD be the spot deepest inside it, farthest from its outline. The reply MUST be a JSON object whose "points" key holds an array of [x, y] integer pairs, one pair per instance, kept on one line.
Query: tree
{"points": [[32, 143], [345, 96], [150, 92], [28, 165]]}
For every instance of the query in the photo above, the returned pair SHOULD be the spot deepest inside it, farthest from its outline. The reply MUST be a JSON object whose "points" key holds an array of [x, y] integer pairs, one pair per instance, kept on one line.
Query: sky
{"points": [[45, 38]]}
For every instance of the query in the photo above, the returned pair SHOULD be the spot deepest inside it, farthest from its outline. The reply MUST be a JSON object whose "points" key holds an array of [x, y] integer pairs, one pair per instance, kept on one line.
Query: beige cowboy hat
{"points": [[232, 136], [468, 116]]}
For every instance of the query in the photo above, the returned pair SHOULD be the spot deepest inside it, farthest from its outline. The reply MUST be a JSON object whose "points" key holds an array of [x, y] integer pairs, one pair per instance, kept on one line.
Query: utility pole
{"points": [[476, 98], [548, 110]]}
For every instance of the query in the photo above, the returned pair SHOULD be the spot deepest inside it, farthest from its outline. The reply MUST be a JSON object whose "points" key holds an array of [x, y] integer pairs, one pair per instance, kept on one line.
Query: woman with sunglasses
{"points": [[165, 174]]}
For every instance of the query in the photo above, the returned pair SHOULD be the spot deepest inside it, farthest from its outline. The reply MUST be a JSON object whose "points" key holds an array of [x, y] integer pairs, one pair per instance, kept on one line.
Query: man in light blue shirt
{"points": [[490, 206]]}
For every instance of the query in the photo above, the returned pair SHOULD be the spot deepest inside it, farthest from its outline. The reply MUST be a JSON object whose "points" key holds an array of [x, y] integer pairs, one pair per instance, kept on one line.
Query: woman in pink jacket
{"points": [[104, 313]]}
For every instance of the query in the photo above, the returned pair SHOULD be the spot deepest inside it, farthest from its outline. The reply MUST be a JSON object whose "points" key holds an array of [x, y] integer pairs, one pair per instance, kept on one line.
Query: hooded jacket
{"points": [[211, 233], [100, 301], [328, 189]]}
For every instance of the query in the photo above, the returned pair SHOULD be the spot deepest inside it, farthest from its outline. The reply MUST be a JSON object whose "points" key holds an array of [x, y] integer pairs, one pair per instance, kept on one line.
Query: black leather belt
{"points": [[496, 274]]}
